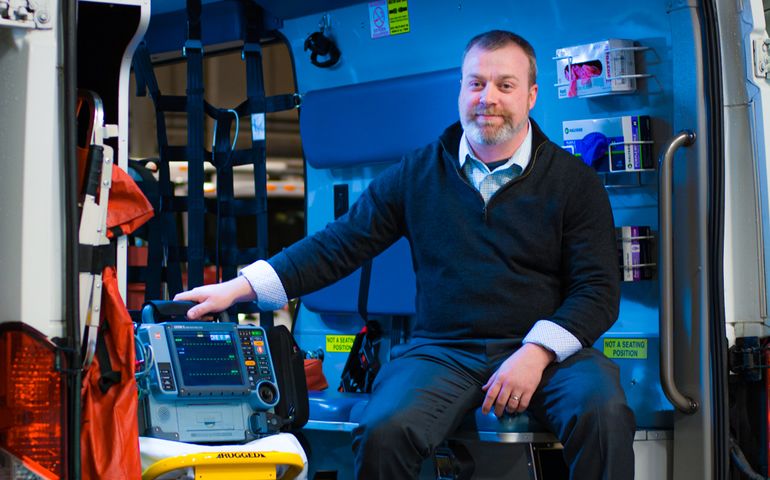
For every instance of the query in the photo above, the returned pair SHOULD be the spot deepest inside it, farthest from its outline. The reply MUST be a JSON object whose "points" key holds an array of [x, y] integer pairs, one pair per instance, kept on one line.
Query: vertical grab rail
{"points": [[680, 401]]}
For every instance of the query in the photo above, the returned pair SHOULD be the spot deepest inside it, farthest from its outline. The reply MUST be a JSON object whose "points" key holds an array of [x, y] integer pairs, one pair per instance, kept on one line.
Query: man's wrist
{"points": [[242, 290], [265, 284], [546, 356]]}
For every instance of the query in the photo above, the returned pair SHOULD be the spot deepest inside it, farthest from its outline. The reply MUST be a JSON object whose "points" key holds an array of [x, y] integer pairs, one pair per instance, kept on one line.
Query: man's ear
{"points": [[532, 96]]}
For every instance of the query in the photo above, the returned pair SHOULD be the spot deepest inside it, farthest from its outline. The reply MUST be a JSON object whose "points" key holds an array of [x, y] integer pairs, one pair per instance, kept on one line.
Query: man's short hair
{"points": [[495, 39]]}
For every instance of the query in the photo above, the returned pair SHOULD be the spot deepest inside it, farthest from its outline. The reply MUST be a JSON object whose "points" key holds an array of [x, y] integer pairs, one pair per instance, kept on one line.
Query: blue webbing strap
{"points": [[193, 51], [255, 93], [226, 231]]}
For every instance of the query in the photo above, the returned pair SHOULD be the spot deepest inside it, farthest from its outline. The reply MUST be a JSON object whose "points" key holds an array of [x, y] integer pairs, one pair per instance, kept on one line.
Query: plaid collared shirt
{"points": [[488, 182]]}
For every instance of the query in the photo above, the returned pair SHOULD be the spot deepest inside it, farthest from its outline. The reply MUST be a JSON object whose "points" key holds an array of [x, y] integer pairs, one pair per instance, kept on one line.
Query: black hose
{"points": [[736, 454]]}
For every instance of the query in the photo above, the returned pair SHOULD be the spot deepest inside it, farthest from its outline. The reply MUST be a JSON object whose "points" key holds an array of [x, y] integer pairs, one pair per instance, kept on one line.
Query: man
{"points": [[514, 251]]}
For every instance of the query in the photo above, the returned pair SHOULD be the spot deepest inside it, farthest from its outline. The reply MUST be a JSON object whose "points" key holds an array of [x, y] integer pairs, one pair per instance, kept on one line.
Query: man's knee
{"points": [[608, 417], [392, 434], [613, 412]]}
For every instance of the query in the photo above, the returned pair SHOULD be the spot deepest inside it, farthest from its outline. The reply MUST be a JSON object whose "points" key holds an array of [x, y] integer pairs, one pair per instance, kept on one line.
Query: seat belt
{"points": [[362, 364]]}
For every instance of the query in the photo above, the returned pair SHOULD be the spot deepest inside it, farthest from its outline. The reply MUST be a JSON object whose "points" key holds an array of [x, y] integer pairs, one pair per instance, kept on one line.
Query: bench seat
{"points": [[336, 411]]}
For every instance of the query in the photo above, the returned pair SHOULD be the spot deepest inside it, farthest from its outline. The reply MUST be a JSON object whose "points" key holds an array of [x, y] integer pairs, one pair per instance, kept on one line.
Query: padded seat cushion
{"points": [[519, 423], [333, 406]]}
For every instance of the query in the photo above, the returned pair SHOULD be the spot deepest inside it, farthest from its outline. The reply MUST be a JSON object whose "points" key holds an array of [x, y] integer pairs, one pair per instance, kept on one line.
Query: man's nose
{"points": [[489, 95]]}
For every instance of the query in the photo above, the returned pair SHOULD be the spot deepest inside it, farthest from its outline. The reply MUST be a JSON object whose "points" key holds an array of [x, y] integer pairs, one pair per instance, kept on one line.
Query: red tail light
{"points": [[31, 393]]}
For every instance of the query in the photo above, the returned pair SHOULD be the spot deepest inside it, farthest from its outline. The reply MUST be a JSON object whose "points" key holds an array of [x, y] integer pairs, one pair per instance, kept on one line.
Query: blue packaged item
{"points": [[616, 144]]}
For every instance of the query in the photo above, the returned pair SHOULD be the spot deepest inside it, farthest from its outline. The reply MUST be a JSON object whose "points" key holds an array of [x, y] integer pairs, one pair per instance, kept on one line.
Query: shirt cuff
{"points": [[555, 338], [266, 284]]}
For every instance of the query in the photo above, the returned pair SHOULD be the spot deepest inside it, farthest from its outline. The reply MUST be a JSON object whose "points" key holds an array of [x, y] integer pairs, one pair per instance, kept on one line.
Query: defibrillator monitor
{"points": [[205, 381], [207, 359]]}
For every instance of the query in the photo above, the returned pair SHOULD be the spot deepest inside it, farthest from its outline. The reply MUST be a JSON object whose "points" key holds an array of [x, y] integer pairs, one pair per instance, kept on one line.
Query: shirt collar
{"points": [[520, 156]]}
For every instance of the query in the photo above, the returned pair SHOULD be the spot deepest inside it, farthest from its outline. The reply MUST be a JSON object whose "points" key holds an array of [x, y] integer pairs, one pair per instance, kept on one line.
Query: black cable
{"points": [[71, 444], [716, 212]]}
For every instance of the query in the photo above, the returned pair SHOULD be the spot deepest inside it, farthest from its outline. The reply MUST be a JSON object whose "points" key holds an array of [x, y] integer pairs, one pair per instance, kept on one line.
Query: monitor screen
{"points": [[207, 357]]}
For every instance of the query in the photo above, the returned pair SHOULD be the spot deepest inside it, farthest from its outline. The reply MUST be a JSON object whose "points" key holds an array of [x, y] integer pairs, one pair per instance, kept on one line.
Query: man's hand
{"points": [[218, 297], [511, 387]]}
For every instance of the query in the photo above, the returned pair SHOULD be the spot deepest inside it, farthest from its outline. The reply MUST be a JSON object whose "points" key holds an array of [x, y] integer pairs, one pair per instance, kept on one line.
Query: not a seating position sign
{"points": [[625, 348]]}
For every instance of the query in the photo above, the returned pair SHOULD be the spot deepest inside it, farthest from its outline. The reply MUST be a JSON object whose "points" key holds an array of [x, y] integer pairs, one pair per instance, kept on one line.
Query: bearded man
{"points": [[514, 252]]}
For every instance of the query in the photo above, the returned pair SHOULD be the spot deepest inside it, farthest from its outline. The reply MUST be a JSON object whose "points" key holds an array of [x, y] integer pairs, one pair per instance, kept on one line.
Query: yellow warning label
{"points": [[339, 343], [633, 348], [398, 16]]}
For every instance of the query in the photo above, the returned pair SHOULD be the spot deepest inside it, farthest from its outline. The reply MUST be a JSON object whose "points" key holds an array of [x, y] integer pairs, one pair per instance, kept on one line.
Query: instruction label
{"points": [[388, 17], [631, 348], [398, 16], [339, 343]]}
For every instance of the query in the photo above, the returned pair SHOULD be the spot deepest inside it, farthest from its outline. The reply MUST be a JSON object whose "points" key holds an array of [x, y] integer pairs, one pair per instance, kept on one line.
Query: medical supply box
{"points": [[593, 69], [616, 144], [635, 252]]}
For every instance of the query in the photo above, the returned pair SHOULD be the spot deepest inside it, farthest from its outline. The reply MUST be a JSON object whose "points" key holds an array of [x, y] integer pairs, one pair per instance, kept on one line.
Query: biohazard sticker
{"points": [[339, 343], [388, 17], [625, 348]]}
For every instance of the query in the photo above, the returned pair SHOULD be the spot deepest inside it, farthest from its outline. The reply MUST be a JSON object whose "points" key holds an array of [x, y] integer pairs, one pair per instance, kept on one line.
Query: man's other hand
{"points": [[218, 297], [511, 387]]}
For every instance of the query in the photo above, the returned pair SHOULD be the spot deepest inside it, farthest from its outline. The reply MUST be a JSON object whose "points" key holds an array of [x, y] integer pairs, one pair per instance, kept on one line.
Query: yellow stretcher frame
{"points": [[230, 465]]}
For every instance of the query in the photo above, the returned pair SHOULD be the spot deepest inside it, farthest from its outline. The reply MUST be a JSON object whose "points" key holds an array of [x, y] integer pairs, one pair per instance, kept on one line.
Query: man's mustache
{"points": [[488, 111]]}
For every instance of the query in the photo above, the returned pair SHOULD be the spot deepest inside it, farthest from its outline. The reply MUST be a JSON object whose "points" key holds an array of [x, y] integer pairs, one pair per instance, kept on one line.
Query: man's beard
{"points": [[494, 136]]}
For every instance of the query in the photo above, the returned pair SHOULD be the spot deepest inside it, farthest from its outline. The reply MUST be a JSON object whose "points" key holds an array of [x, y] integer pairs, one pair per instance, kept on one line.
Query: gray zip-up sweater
{"points": [[543, 247]]}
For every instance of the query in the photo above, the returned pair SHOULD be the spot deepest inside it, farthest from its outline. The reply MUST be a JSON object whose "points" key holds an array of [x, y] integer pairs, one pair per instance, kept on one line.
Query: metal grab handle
{"points": [[681, 402]]}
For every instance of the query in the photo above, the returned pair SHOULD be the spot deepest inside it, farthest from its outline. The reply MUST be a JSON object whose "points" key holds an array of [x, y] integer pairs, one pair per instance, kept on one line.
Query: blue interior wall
{"points": [[439, 32]]}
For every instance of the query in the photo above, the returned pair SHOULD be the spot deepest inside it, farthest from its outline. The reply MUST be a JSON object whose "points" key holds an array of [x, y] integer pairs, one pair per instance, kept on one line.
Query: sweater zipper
{"points": [[478, 194], [520, 177], [508, 185]]}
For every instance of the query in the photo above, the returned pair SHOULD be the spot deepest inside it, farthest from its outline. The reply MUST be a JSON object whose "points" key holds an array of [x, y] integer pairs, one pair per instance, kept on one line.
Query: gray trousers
{"points": [[420, 397]]}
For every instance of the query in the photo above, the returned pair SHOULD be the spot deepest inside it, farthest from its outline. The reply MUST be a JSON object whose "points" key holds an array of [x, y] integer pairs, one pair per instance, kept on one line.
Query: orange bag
{"points": [[109, 437], [314, 374], [128, 208]]}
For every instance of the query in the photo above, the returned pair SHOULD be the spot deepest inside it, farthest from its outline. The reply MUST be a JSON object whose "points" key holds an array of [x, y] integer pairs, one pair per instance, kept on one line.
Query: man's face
{"points": [[495, 95]]}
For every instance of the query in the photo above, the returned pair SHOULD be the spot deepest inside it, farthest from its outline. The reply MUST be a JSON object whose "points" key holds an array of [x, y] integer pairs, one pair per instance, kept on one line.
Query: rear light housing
{"points": [[32, 426]]}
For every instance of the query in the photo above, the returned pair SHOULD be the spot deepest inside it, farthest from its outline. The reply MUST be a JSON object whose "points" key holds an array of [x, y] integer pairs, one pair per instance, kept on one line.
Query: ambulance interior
{"points": [[330, 93], [394, 89]]}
